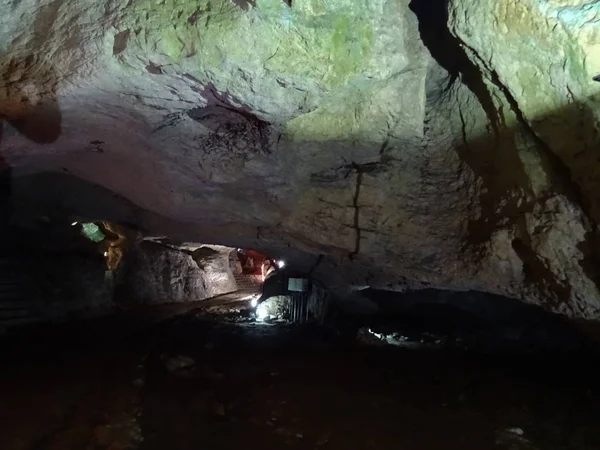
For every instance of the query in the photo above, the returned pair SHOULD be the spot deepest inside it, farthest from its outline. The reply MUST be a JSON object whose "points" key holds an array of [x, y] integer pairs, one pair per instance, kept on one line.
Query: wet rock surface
{"points": [[287, 386]]}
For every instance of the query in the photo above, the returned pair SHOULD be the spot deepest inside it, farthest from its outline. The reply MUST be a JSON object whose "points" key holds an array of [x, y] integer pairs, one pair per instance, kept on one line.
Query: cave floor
{"points": [[203, 380]]}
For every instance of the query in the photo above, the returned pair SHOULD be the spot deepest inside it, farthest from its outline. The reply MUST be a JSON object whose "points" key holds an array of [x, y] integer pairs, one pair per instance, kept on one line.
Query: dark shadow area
{"points": [[534, 268], [30, 104], [446, 50], [65, 196], [475, 321], [223, 113], [5, 183], [121, 40], [244, 4], [154, 69], [194, 380], [48, 272]]}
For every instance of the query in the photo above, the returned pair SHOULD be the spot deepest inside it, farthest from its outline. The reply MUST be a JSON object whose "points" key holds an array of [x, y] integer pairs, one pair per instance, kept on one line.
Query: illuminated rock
{"points": [[323, 133], [539, 59]]}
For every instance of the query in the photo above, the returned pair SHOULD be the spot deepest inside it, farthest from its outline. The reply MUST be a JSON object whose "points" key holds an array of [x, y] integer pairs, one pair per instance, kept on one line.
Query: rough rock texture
{"points": [[275, 308], [546, 99], [378, 142], [157, 274]]}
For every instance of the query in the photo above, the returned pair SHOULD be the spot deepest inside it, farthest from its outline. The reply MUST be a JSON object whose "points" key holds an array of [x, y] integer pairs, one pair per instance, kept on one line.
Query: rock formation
{"points": [[386, 143], [156, 274]]}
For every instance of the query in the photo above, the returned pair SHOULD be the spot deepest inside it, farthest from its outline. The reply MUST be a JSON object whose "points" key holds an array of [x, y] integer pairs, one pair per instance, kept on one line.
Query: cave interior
{"points": [[323, 224]]}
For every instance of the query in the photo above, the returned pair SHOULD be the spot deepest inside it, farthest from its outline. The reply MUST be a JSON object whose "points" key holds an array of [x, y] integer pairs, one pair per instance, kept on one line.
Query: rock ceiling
{"points": [[376, 142]]}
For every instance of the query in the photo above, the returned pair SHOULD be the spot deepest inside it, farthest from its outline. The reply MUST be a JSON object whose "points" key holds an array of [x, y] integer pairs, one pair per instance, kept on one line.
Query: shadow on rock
{"points": [[479, 320], [5, 184], [65, 195], [29, 102], [528, 170]]}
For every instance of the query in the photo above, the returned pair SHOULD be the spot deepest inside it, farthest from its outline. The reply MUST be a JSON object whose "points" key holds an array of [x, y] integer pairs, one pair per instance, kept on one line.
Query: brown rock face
{"points": [[394, 144]]}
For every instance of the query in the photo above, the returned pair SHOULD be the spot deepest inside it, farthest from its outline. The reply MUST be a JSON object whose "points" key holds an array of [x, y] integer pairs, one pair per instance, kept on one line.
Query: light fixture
{"points": [[262, 312], [74, 223], [105, 254], [281, 264]]}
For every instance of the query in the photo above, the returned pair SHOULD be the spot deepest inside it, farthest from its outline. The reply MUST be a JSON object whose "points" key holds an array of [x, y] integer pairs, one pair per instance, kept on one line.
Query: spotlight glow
{"points": [[253, 300], [262, 312], [105, 254], [74, 223], [281, 264]]}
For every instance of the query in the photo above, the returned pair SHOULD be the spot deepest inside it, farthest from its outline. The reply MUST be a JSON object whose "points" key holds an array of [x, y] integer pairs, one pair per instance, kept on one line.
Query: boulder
{"points": [[155, 274]]}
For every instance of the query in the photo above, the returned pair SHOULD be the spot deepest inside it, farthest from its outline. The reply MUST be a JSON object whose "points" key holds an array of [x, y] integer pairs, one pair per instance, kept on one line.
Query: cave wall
{"points": [[49, 272], [396, 144], [539, 61], [39, 287], [155, 274]]}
